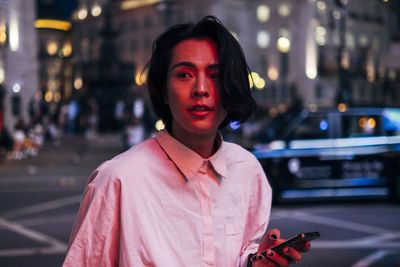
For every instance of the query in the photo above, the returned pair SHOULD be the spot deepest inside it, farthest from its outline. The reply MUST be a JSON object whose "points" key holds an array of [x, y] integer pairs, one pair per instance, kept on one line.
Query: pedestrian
{"points": [[19, 136], [184, 197]]}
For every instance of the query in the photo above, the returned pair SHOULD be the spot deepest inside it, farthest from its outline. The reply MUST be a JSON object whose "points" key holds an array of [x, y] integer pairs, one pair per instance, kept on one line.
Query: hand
{"points": [[274, 259]]}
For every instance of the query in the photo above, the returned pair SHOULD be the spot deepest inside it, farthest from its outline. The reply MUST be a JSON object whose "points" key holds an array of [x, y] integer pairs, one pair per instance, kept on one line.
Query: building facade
{"points": [[309, 53], [18, 61], [55, 59]]}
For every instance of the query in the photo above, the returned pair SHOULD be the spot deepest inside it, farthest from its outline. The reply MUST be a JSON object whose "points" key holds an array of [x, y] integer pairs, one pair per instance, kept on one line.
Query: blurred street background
{"points": [[73, 94], [39, 198]]}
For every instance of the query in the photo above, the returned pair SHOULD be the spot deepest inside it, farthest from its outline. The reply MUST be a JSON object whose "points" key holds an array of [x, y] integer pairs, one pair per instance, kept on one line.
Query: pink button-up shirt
{"points": [[161, 204]]}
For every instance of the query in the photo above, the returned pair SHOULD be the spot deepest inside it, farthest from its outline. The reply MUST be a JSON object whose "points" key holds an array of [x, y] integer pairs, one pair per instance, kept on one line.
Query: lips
{"points": [[200, 110]]}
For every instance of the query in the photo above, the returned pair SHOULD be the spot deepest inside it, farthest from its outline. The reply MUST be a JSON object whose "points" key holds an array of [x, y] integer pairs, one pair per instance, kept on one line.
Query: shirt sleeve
{"points": [[258, 214], [94, 240]]}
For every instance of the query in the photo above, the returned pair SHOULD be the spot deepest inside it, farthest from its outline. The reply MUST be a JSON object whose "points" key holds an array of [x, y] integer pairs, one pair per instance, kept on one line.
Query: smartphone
{"points": [[296, 241]]}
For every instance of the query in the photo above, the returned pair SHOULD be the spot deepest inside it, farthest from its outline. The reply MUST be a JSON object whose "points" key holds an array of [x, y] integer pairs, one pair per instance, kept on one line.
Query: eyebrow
{"points": [[191, 65]]}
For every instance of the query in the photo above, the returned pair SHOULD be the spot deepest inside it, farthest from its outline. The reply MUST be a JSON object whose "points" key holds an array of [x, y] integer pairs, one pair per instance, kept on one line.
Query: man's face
{"points": [[192, 89]]}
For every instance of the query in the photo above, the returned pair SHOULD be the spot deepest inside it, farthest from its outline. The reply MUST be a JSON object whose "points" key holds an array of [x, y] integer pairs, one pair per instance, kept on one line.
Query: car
{"points": [[331, 153]]}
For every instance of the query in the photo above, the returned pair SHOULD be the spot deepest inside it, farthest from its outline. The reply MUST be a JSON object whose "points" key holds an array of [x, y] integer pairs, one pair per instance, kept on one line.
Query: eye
{"points": [[214, 75], [184, 75]]}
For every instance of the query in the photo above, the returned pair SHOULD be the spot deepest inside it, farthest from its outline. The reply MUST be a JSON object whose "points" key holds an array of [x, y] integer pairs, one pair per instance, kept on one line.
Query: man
{"points": [[184, 197]]}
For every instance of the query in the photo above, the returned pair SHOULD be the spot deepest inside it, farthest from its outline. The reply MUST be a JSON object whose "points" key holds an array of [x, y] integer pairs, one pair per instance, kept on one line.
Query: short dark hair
{"points": [[233, 73]]}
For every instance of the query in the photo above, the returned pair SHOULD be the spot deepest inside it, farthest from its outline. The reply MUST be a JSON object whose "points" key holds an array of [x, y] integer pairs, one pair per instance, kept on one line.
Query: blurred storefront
{"points": [[55, 59], [18, 61]]}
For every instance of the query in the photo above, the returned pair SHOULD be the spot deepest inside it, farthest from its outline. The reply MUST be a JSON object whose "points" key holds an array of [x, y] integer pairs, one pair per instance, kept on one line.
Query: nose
{"points": [[201, 87]]}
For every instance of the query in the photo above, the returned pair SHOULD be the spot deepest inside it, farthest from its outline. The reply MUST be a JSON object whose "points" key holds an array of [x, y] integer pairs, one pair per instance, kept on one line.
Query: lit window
{"points": [[82, 14], [263, 13], [263, 39], [3, 34], [283, 42], [2, 75], [284, 32], [336, 14], [363, 39], [320, 35], [370, 69], [311, 60], [392, 75], [48, 96], [350, 43], [78, 83], [52, 48], [14, 32], [57, 97], [96, 10], [321, 5], [345, 63], [67, 50], [284, 10], [273, 73]]}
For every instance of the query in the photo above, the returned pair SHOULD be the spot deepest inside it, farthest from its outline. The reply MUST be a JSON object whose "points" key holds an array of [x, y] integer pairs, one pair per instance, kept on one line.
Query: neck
{"points": [[202, 144]]}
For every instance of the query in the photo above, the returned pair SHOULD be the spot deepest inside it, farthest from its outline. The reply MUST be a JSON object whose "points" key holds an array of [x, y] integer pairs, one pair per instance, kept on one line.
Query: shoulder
{"points": [[128, 164], [236, 154], [242, 163]]}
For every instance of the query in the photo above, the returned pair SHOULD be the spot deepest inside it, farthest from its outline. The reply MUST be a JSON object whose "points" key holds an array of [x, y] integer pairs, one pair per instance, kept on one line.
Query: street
{"points": [[39, 198]]}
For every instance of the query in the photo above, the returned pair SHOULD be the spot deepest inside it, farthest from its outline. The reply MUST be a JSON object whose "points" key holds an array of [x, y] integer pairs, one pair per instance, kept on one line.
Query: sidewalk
{"points": [[66, 165]]}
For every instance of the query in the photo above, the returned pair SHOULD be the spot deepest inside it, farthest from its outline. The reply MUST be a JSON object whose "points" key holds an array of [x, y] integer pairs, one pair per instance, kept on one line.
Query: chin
{"points": [[202, 128]]}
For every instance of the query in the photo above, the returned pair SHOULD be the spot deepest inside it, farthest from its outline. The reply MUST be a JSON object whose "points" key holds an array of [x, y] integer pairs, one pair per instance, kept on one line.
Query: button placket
{"points": [[206, 218]]}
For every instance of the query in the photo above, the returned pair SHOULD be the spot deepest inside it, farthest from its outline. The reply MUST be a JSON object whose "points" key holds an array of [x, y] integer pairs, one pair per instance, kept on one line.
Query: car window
{"points": [[361, 126], [391, 122], [314, 127]]}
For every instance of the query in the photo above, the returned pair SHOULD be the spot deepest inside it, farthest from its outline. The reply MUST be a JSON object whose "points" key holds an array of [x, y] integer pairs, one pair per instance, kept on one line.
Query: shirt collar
{"points": [[186, 160]]}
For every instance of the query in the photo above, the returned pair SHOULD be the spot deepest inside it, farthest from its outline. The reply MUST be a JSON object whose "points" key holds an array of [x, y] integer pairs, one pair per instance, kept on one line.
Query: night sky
{"points": [[64, 7]]}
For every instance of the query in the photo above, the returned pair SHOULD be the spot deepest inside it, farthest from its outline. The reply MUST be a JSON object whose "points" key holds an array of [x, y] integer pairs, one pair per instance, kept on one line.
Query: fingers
{"points": [[274, 259], [305, 247], [292, 254], [270, 239]]}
